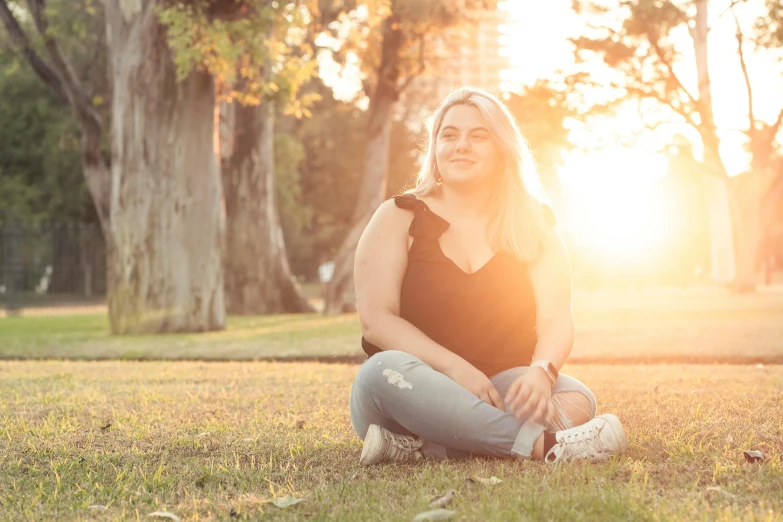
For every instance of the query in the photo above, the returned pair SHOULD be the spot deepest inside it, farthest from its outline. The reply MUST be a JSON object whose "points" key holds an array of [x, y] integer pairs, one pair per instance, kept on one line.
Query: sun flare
{"points": [[614, 202]]}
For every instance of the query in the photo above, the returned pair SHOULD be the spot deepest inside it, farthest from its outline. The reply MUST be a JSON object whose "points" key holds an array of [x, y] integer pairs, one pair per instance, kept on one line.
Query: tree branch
{"points": [[422, 66], [21, 42], [95, 169], [643, 93], [70, 82], [729, 8], [751, 117], [669, 66], [776, 125]]}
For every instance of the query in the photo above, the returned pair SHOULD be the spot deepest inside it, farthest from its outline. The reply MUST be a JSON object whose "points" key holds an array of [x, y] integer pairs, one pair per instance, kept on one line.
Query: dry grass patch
{"points": [[205, 440]]}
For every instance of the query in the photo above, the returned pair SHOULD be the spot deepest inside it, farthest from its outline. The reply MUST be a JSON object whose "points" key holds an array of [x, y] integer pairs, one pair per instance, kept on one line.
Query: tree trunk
{"points": [[258, 277], [165, 269], [773, 200], [717, 197], [340, 296], [722, 250], [747, 194]]}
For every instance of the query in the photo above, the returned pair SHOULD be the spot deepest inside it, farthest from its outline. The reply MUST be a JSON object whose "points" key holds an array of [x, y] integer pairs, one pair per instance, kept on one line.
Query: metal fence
{"points": [[51, 265]]}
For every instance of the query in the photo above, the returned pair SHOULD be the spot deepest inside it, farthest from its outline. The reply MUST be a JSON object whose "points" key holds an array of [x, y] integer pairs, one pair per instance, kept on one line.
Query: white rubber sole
{"points": [[372, 442], [618, 430]]}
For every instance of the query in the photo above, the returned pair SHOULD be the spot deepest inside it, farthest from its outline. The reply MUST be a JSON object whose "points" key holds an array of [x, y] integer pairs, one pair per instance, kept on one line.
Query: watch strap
{"points": [[544, 365]]}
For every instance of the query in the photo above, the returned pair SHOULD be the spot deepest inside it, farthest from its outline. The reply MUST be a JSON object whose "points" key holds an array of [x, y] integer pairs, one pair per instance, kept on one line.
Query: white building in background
{"points": [[466, 55]]}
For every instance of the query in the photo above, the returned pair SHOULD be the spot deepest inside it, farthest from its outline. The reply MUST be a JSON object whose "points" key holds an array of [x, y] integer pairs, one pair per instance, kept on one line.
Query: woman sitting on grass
{"points": [[463, 288]]}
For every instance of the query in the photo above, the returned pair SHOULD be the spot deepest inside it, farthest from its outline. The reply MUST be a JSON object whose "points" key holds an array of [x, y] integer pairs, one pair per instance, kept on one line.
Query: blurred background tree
{"points": [[315, 112], [640, 45]]}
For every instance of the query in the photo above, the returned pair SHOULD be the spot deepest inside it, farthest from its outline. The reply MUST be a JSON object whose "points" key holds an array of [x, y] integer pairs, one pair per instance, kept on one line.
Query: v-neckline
{"points": [[442, 253]]}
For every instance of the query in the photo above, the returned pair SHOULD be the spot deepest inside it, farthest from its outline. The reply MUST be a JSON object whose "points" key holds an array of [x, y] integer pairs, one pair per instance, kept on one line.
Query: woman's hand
{"points": [[532, 391], [472, 379]]}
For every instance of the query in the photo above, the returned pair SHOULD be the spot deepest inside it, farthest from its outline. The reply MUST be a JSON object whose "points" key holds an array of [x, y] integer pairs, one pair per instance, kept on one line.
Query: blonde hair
{"points": [[519, 225]]}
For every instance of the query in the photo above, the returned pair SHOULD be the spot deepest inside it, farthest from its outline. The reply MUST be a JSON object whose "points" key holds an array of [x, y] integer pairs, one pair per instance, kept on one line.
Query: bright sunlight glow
{"points": [[615, 204]]}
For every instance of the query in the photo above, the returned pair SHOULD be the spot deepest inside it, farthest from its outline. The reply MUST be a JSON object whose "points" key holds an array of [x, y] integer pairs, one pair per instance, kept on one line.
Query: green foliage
{"points": [[259, 56], [319, 163], [328, 179], [40, 166], [295, 215], [40, 170]]}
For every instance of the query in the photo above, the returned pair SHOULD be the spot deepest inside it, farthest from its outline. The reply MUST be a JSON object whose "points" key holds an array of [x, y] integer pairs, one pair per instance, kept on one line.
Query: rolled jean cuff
{"points": [[526, 439]]}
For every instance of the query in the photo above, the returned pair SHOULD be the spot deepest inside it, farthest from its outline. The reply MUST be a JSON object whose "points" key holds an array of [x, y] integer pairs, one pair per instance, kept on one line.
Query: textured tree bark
{"points": [[722, 241], [747, 195], [165, 272], [339, 296], [258, 279]]}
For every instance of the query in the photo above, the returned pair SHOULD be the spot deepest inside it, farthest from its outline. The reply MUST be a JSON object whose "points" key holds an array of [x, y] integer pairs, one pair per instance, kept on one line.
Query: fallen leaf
{"points": [[97, 507], [164, 514], [435, 514], [441, 501], [286, 501], [203, 434], [753, 456], [300, 424], [246, 439], [491, 481], [729, 438], [104, 428], [233, 513]]}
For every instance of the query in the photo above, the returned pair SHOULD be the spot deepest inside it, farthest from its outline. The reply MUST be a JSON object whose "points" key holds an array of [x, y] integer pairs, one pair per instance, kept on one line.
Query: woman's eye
{"points": [[449, 135], [479, 137]]}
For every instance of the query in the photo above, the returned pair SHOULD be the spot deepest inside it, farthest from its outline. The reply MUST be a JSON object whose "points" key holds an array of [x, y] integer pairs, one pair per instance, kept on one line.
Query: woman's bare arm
{"points": [[550, 275], [380, 264]]}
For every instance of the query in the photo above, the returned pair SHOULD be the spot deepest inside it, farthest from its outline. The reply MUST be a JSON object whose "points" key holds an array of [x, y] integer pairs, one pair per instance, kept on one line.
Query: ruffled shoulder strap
{"points": [[425, 223]]}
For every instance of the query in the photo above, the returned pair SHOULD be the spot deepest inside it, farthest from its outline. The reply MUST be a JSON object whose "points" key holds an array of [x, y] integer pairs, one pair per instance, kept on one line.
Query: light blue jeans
{"points": [[405, 395]]}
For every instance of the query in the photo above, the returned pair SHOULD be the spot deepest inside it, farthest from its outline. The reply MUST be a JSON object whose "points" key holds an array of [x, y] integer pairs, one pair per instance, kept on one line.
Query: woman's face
{"points": [[464, 149]]}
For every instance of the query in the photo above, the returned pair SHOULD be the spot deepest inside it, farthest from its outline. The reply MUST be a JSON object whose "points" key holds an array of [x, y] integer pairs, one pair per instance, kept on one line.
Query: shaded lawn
{"points": [[201, 439], [650, 326], [246, 338]]}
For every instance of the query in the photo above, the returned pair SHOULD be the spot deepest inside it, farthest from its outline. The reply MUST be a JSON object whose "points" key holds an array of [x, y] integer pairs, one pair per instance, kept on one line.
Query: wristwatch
{"points": [[548, 367]]}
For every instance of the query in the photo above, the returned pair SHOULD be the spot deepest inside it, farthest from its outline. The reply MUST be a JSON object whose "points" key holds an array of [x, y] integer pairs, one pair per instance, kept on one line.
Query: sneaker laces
{"points": [[578, 443], [401, 447]]}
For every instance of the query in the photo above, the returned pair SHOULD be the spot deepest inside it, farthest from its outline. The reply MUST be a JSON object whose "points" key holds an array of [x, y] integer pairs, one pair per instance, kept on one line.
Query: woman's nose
{"points": [[463, 144]]}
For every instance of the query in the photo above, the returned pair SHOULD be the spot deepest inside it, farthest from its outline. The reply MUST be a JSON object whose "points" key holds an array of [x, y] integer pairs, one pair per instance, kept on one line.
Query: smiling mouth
{"points": [[464, 161]]}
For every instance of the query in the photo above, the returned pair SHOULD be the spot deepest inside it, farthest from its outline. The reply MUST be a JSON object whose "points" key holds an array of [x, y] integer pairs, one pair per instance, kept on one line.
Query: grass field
{"points": [[219, 440], [622, 327], [202, 439]]}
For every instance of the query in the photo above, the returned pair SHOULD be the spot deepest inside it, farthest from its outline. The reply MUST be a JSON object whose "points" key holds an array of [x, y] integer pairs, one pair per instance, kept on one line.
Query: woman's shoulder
{"points": [[390, 215], [411, 215], [407, 205]]}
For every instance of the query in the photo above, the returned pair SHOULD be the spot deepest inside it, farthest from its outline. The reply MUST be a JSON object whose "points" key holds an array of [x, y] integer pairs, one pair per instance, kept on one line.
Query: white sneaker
{"points": [[595, 440], [381, 445]]}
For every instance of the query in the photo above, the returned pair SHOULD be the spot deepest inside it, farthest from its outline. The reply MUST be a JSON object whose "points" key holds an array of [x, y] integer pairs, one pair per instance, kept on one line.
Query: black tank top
{"points": [[487, 317]]}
